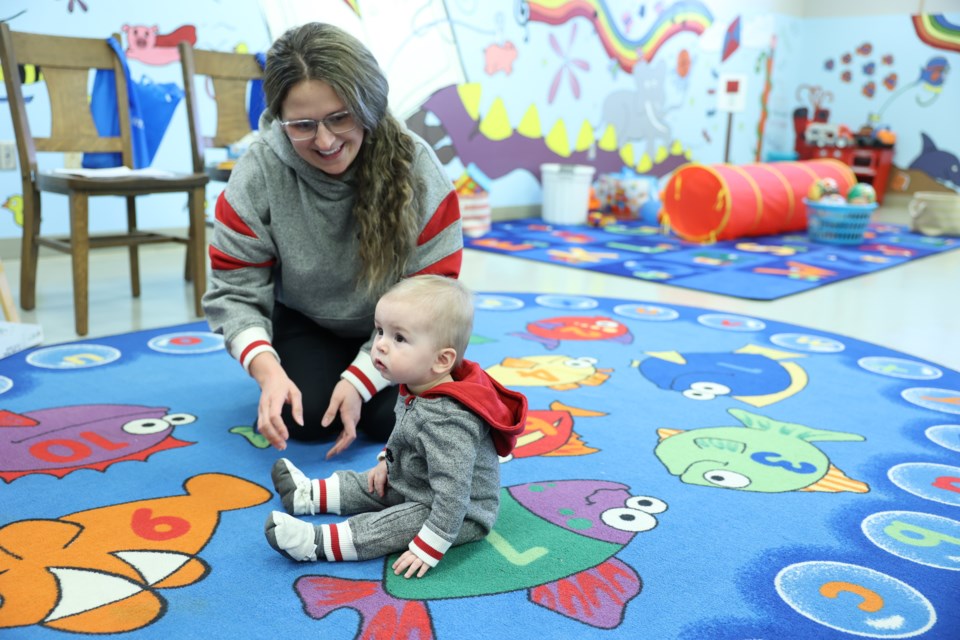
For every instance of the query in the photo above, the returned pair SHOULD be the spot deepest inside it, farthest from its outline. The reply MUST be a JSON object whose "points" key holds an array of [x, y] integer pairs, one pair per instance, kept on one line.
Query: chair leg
{"points": [[29, 251], [6, 298], [134, 249], [80, 258], [197, 247]]}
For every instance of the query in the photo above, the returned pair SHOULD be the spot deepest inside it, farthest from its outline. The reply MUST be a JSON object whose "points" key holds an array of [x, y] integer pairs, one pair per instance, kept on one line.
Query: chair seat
{"points": [[123, 186]]}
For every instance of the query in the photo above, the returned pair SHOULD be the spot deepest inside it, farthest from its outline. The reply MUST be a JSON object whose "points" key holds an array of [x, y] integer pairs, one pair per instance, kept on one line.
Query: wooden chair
{"points": [[66, 64], [230, 74]]}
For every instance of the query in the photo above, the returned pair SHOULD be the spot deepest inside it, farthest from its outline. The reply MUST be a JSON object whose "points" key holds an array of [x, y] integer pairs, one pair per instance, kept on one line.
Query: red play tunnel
{"points": [[706, 203]]}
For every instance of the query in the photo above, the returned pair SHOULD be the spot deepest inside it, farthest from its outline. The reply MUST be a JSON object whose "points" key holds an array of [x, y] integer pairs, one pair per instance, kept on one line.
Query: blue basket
{"points": [[837, 222]]}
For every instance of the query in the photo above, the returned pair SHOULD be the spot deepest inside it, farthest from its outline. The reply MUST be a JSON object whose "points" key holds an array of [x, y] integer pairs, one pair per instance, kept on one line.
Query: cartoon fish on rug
{"points": [[59, 440], [758, 376], [550, 433], [550, 331], [558, 540], [561, 373], [763, 455], [99, 571]]}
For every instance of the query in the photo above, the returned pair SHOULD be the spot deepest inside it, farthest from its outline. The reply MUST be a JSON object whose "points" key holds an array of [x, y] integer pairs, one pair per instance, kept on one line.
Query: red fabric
{"points": [[322, 500], [447, 213], [228, 217], [335, 543], [449, 266], [225, 262], [363, 378], [250, 347], [427, 549], [503, 409]]}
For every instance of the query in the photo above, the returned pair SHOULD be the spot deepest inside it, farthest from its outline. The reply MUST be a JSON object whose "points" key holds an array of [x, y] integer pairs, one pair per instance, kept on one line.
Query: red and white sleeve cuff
{"points": [[364, 376], [428, 546], [250, 343]]}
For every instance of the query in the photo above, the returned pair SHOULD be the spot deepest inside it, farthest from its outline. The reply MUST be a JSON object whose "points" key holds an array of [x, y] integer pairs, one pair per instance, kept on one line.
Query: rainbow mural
{"points": [[936, 31], [690, 16]]}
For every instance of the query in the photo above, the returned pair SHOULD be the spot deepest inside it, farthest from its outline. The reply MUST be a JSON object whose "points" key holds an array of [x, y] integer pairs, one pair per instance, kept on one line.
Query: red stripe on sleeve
{"points": [[449, 266], [446, 214], [363, 378], [335, 543], [228, 217], [427, 549], [253, 345], [225, 262], [322, 503]]}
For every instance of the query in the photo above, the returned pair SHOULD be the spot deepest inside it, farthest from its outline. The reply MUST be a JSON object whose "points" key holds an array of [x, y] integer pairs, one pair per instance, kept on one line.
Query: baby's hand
{"points": [[412, 563], [377, 479]]}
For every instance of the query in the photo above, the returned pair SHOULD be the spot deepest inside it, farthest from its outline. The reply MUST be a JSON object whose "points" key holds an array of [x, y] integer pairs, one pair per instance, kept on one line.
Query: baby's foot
{"points": [[296, 539], [295, 489]]}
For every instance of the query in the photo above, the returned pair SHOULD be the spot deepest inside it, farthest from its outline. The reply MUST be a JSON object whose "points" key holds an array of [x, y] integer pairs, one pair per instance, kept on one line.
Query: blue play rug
{"points": [[685, 474], [759, 268]]}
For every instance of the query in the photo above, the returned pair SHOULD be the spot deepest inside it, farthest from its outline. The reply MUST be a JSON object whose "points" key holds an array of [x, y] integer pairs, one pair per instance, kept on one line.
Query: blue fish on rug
{"points": [[755, 375]]}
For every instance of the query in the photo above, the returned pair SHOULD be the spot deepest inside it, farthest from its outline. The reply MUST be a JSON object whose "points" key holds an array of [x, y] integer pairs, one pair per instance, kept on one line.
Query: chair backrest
{"points": [[66, 64], [230, 75]]}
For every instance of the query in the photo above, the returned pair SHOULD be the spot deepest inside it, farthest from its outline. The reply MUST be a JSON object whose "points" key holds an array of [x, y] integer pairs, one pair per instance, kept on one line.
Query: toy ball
{"points": [[862, 193], [834, 198], [822, 188]]}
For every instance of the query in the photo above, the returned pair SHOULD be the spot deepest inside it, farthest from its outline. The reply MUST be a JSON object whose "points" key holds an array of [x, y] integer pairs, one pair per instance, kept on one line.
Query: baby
{"points": [[437, 481]]}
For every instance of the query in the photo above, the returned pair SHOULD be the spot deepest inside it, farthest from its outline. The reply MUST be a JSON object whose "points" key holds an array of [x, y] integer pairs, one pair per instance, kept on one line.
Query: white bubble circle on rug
{"points": [[73, 356], [855, 599], [900, 368], [187, 342]]}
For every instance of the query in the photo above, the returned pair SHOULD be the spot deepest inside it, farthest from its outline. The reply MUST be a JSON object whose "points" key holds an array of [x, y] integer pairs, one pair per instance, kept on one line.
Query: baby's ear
{"points": [[445, 360]]}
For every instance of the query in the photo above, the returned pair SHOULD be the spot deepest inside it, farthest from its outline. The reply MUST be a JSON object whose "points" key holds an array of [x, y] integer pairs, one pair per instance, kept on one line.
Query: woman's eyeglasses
{"points": [[306, 129]]}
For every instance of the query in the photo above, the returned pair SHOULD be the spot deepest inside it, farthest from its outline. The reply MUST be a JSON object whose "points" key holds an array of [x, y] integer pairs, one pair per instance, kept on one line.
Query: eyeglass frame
{"points": [[317, 123]]}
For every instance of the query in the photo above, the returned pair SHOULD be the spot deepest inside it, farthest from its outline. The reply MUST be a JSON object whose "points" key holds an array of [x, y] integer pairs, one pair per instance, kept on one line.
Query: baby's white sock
{"points": [[296, 539]]}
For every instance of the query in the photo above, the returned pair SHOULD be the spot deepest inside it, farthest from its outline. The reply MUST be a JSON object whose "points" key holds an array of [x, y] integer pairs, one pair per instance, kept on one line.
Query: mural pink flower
{"points": [[566, 66]]}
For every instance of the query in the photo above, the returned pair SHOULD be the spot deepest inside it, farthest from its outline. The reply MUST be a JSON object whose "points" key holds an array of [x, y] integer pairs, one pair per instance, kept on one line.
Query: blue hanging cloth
{"points": [[257, 101], [151, 108]]}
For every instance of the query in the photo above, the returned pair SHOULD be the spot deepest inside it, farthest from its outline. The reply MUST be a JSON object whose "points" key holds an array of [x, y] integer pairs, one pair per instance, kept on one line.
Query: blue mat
{"points": [[684, 474], [760, 268]]}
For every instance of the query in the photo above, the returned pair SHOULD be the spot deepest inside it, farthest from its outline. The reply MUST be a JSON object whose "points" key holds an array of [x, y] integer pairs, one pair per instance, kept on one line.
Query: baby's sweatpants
{"points": [[377, 526]]}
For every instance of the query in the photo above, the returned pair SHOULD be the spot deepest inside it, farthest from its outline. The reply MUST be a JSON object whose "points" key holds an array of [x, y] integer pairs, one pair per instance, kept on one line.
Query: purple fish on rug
{"points": [[557, 540], [60, 440]]}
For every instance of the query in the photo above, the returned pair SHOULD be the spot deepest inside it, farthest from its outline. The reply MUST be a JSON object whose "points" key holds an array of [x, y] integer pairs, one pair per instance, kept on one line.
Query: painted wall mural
{"points": [[620, 85]]}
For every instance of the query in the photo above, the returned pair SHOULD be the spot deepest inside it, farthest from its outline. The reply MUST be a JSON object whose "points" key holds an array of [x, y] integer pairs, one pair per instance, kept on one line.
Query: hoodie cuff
{"points": [[364, 376], [249, 343], [428, 546]]}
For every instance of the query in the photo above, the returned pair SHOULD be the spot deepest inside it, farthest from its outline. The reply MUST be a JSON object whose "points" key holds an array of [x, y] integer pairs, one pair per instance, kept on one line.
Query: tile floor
{"points": [[914, 309]]}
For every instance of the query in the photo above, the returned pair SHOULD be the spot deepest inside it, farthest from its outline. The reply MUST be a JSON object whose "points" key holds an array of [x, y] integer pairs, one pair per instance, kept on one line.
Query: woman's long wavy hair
{"points": [[386, 205]]}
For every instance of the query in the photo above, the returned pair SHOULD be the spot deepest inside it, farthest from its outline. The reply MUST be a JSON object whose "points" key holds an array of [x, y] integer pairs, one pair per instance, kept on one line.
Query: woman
{"points": [[332, 205]]}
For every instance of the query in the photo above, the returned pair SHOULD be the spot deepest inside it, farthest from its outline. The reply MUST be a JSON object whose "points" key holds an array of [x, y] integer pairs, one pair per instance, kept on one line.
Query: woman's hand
{"points": [[377, 479], [276, 389], [412, 563], [346, 401]]}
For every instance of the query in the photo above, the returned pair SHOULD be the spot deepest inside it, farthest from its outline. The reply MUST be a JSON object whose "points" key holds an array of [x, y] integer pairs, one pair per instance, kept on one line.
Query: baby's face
{"points": [[404, 349]]}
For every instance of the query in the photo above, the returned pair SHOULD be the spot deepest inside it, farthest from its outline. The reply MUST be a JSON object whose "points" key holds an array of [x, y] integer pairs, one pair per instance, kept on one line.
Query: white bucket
{"points": [[933, 213], [566, 192]]}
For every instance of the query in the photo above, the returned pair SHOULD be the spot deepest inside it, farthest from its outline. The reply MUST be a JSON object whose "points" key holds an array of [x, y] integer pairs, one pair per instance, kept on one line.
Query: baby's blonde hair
{"points": [[446, 303]]}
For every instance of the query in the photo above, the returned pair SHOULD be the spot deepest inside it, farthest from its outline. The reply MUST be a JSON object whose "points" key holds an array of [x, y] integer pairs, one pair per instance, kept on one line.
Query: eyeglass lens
{"points": [[306, 129]]}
